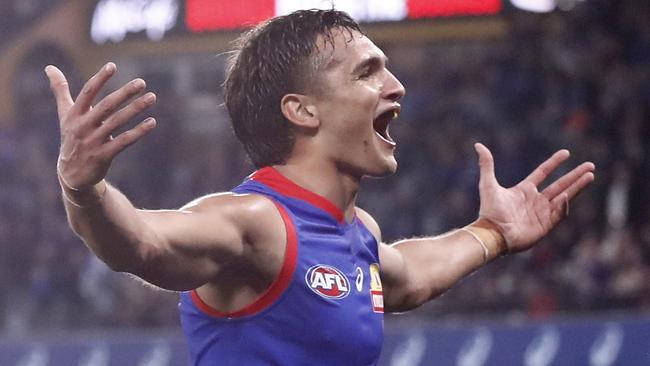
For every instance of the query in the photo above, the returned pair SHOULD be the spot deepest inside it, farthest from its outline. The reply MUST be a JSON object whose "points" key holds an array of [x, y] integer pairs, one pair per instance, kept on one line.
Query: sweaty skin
{"points": [[230, 247]]}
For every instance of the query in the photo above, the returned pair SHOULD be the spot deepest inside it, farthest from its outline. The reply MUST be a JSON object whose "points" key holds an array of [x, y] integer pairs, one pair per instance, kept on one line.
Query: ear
{"points": [[299, 110]]}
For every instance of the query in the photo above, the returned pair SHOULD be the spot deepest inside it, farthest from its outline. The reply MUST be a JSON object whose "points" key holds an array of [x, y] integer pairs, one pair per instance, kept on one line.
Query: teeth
{"points": [[395, 114]]}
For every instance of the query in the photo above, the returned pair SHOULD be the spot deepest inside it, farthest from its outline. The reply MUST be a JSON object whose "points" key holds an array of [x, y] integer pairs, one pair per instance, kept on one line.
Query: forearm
{"points": [[109, 225], [435, 264]]}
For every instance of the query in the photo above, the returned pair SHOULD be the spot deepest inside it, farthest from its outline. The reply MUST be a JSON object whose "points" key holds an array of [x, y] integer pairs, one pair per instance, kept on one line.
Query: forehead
{"points": [[346, 49]]}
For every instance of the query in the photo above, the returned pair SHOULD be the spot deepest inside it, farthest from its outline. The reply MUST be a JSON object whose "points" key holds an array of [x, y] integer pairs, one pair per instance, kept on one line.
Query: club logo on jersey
{"points": [[327, 282], [376, 291]]}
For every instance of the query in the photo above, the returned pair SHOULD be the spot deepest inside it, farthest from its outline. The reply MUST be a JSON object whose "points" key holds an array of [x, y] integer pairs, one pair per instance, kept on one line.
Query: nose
{"points": [[393, 89]]}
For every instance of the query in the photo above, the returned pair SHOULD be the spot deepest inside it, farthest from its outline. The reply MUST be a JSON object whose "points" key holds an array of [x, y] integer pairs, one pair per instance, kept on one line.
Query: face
{"points": [[359, 99]]}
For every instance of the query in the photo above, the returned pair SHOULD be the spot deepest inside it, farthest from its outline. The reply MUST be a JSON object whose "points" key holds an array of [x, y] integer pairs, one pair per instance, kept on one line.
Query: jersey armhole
{"points": [[277, 287]]}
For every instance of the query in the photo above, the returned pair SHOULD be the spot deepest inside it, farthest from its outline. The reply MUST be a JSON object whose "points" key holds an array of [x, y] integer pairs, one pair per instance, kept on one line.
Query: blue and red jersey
{"points": [[325, 306]]}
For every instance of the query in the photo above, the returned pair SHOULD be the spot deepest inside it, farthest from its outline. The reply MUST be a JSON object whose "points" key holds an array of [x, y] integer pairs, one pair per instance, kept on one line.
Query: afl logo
{"points": [[327, 282]]}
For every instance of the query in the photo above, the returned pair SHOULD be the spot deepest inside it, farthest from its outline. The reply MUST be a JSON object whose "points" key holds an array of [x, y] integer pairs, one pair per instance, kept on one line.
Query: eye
{"points": [[366, 73], [369, 68]]}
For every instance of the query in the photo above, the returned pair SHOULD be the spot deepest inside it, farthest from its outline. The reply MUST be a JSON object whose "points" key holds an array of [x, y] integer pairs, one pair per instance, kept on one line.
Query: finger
{"points": [[486, 165], [92, 87], [567, 180], [128, 138], [546, 168], [111, 102], [60, 89], [560, 208], [124, 115], [579, 185], [560, 203]]}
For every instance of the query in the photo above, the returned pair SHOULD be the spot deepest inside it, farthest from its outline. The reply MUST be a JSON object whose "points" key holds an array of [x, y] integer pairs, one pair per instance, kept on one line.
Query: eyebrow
{"points": [[372, 61]]}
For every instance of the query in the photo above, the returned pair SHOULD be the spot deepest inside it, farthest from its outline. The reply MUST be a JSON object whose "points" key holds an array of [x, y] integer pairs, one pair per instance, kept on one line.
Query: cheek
{"points": [[351, 113], [351, 139], [358, 100]]}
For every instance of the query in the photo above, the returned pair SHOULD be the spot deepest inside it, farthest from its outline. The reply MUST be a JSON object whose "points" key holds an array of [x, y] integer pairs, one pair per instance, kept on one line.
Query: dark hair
{"points": [[275, 58]]}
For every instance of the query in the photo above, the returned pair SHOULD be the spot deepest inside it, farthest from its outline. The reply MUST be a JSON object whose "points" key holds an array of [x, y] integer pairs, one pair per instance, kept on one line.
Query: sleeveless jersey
{"points": [[325, 306]]}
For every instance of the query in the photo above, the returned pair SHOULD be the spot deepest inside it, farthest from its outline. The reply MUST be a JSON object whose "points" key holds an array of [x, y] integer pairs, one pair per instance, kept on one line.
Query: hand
{"points": [[87, 147], [521, 213]]}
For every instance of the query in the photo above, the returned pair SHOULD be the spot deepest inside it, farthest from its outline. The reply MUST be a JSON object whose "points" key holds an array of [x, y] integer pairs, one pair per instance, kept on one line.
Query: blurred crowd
{"points": [[18, 14], [578, 80]]}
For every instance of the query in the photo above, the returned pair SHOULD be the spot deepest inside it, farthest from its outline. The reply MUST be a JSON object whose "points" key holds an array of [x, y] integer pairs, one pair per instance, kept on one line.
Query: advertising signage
{"points": [[114, 20]]}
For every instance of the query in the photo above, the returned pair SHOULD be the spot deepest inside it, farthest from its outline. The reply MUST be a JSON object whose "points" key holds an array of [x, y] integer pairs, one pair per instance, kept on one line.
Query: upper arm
{"points": [[186, 248], [394, 272]]}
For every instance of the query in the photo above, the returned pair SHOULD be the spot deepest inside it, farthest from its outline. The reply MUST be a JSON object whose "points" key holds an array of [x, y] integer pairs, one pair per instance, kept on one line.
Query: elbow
{"points": [[414, 296], [410, 298], [119, 266], [437, 288], [116, 264], [143, 258], [133, 251], [134, 262]]}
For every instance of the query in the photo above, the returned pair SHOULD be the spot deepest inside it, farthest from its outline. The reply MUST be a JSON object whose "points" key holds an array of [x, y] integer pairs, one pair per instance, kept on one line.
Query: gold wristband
{"points": [[491, 229]]}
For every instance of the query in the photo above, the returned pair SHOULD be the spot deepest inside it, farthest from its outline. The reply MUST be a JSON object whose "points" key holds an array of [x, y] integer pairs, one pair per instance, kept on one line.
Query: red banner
{"points": [[446, 8], [207, 15], [210, 15]]}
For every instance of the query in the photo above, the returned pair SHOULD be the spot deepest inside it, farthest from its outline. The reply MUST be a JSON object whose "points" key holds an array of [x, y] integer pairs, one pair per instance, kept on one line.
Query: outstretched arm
{"points": [[175, 249], [510, 220]]}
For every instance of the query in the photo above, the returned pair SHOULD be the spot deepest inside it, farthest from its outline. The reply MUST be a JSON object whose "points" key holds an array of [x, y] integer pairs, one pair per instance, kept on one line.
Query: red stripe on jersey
{"points": [[281, 184]]}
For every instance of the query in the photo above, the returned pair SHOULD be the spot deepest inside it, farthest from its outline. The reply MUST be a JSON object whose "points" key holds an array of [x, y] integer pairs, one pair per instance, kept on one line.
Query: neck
{"points": [[325, 180]]}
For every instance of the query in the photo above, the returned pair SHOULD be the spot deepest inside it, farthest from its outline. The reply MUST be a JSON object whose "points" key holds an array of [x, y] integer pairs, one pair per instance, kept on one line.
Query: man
{"points": [[285, 269]]}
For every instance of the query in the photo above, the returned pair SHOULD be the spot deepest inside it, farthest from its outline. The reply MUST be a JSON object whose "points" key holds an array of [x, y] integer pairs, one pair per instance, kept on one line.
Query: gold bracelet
{"points": [[71, 201], [99, 198], [486, 251], [62, 181], [65, 184], [65, 187]]}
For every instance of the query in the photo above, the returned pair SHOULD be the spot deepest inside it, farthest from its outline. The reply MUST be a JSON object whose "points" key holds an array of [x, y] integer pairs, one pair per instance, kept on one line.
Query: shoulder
{"points": [[231, 204], [256, 217], [369, 222]]}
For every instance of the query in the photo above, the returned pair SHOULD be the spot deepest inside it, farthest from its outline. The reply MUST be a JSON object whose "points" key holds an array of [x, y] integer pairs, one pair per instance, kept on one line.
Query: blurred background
{"points": [[524, 77]]}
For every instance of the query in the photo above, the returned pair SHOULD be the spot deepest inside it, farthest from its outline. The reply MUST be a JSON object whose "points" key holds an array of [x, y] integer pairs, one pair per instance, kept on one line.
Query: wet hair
{"points": [[277, 57]]}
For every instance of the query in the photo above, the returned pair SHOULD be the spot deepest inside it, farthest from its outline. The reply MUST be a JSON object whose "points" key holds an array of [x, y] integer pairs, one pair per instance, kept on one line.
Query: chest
{"points": [[336, 285]]}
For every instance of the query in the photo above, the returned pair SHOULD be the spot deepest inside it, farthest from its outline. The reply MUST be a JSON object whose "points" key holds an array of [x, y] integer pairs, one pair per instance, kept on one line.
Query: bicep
{"points": [[187, 248], [394, 272], [395, 278]]}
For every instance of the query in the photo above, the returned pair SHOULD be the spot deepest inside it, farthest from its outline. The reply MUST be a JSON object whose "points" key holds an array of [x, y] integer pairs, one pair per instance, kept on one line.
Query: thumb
{"points": [[60, 89], [486, 165]]}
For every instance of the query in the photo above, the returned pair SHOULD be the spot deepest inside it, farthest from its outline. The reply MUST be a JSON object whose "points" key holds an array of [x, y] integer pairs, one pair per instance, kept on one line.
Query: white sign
{"points": [[360, 10], [113, 19]]}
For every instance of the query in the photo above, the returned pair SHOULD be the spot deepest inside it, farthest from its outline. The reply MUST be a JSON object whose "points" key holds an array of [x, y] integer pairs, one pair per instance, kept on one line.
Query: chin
{"points": [[377, 167], [387, 169]]}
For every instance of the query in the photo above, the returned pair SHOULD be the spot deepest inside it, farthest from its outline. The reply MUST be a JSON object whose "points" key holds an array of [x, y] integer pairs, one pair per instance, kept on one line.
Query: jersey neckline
{"points": [[283, 185]]}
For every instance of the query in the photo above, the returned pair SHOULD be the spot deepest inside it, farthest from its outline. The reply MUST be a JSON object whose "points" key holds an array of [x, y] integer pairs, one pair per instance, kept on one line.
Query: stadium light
{"points": [[536, 6]]}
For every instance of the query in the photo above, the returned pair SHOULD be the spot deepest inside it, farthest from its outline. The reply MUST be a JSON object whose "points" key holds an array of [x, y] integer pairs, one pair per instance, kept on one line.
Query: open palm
{"points": [[87, 145], [522, 213]]}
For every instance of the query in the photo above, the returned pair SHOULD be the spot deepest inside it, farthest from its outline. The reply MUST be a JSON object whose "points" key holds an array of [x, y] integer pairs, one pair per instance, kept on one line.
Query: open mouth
{"points": [[380, 124]]}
